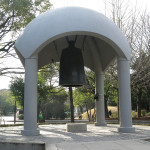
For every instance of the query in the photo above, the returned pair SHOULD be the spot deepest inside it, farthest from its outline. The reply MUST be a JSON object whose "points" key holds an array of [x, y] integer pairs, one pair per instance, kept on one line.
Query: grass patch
{"points": [[113, 109]]}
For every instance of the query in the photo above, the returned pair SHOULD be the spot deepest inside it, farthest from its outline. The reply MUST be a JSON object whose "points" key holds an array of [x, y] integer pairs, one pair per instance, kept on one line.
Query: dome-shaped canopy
{"points": [[98, 37]]}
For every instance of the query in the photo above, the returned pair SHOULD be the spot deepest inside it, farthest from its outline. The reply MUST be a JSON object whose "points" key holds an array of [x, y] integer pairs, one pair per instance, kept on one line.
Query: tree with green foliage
{"points": [[110, 90], [53, 107], [51, 97], [14, 16], [84, 99], [84, 96], [48, 92], [135, 24], [140, 79], [6, 105], [140, 66], [17, 90], [43, 92]]}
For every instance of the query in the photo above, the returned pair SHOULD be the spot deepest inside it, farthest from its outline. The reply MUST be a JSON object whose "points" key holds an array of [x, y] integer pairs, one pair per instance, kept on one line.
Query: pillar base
{"points": [[126, 129], [100, 124], [30, 132]]}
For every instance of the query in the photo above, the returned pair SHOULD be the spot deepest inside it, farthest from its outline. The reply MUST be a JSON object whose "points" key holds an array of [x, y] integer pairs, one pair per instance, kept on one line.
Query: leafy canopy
{"points": [[15, 15]]}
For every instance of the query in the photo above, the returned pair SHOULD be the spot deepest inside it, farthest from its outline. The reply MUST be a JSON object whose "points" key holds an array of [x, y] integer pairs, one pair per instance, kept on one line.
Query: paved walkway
{"points": [[96, 138]]}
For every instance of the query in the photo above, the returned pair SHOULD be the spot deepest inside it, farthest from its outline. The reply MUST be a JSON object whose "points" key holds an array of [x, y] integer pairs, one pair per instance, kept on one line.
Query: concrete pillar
{"points": [[30, 98], [100, 107], [124, 96]]}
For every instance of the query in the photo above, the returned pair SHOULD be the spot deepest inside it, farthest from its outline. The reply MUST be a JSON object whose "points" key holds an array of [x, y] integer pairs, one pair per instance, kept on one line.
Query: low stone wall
{"points": [[21, 146], [76, 127]]}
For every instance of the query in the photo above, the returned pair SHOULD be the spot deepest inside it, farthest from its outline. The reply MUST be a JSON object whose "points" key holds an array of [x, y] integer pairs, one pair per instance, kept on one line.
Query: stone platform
{"points": [[55, 137]]}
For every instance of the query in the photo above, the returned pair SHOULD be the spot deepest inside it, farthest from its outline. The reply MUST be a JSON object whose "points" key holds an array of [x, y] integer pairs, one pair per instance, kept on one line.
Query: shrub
{"points": [[143, 112], [114, 115], [21, 117], [134, 114], [148, 114]]}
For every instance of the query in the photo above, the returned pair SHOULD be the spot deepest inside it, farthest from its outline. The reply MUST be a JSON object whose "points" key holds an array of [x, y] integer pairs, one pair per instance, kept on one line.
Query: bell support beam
{"points": [[124, 96], [100, 110], [30, 98]]}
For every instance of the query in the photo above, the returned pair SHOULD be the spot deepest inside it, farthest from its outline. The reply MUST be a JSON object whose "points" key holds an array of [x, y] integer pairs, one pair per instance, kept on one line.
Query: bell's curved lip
{"points": [[72, 85]]}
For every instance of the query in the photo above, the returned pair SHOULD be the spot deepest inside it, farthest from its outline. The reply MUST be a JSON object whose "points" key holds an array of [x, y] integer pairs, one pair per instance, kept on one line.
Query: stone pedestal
{"points": [[76, 127]]}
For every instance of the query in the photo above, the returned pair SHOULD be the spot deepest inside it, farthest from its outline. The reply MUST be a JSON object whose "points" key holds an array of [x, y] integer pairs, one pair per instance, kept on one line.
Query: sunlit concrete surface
{"points": [[5, 120], [96, 138]]}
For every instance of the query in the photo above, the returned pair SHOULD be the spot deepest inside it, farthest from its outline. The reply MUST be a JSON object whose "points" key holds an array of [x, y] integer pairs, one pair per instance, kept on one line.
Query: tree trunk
{"points": [[106, 109], [118, 109], [38, 111], [81, 110], [149, 106], [94, 115], [139, 109], [71, 104], [90, 115], [139, 104], [87, 111]]}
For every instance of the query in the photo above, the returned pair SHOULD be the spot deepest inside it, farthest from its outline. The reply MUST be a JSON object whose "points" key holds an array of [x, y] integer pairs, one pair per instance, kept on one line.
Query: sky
{"points": [[97, 5], [92, 4]]}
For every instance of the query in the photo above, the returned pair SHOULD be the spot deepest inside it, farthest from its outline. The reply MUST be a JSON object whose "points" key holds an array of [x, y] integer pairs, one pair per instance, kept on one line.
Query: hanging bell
{"points": [[71, 73]]}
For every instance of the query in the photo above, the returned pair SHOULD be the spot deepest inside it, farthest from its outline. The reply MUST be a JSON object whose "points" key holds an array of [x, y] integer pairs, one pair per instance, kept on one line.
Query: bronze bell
{"points": [[71, 73]]}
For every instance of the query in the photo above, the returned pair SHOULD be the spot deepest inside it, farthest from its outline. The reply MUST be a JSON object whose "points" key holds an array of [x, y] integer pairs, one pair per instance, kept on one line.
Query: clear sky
{"points": [[96, 4], [92, 4]]}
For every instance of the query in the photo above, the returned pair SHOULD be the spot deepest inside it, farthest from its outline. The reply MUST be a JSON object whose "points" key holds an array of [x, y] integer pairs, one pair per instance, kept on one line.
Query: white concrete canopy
{"points": [[55, 24], [99, 38]]}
